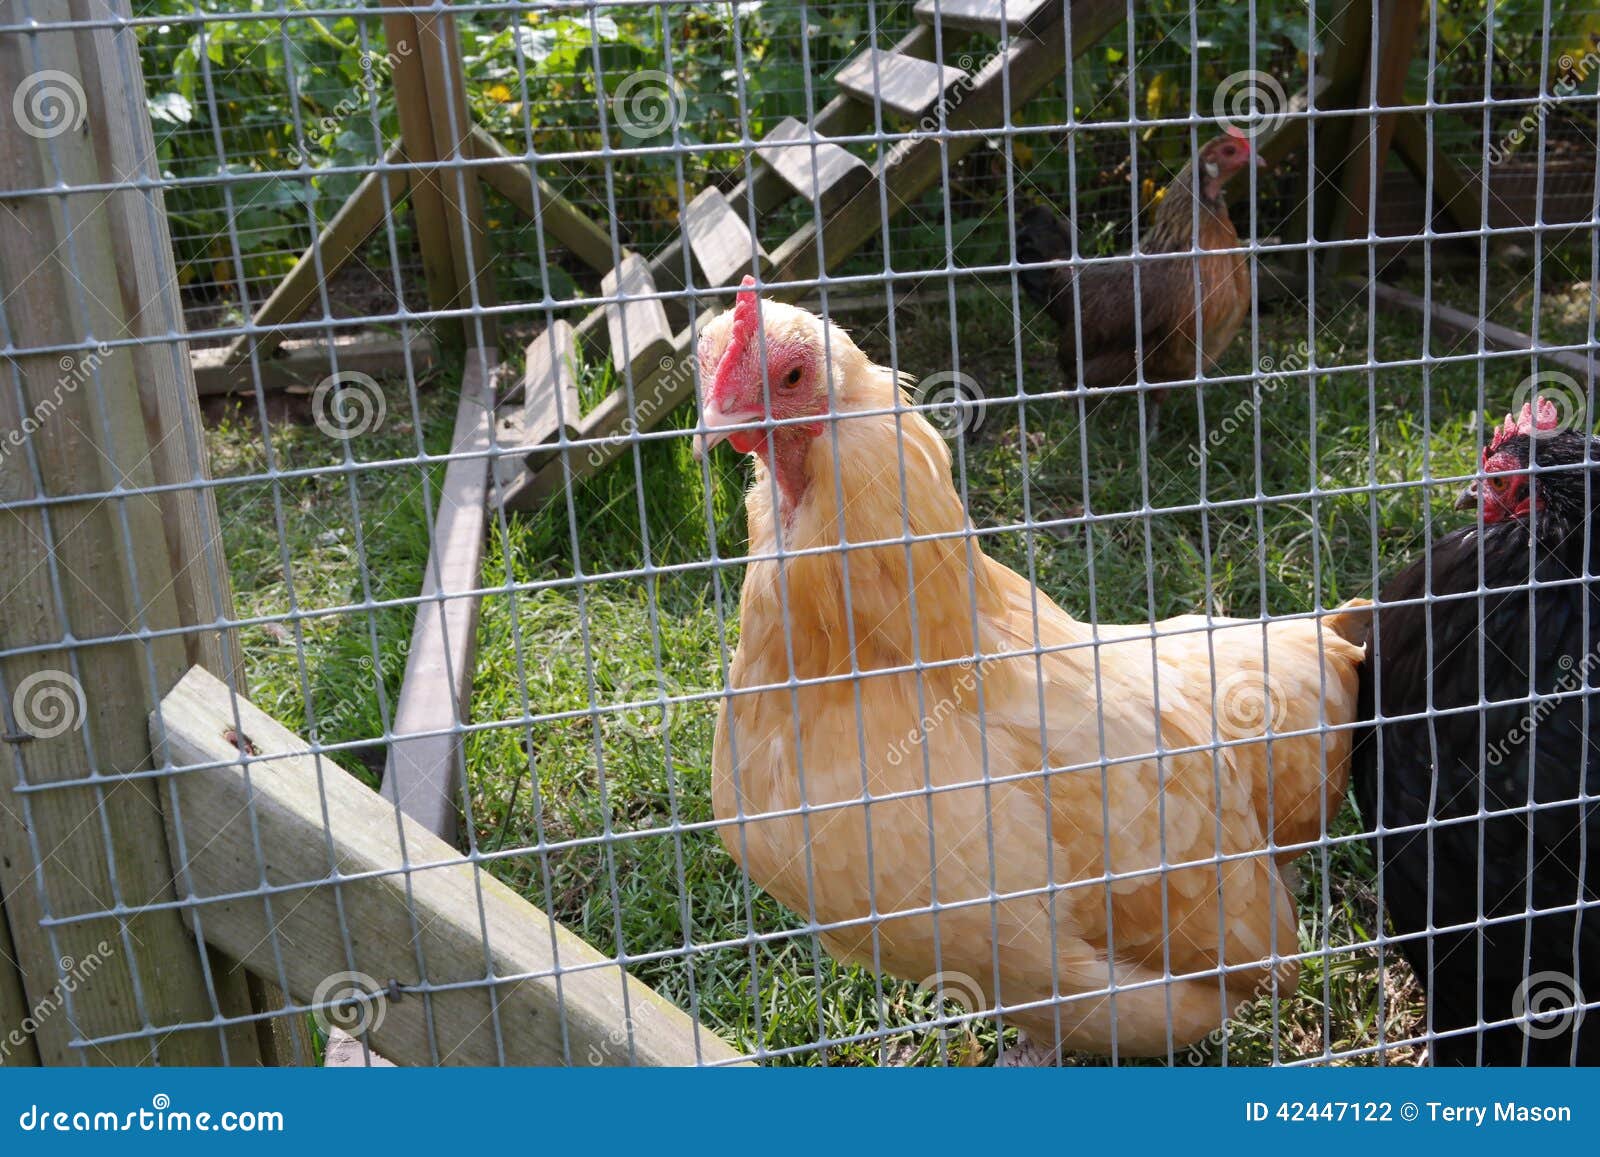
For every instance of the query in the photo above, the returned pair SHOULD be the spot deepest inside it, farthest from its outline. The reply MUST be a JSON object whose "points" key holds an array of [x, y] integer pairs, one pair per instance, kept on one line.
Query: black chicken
{"points": [[1532, 766]]}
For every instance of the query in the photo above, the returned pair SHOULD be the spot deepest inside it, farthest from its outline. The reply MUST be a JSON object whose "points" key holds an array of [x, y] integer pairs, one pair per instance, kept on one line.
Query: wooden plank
{"points": [[637, 324], [439, 47], [902, 84], [303, 364], [550, 400], [142, 246], [722, 244], [458, 920], [911, 167], [95, 570], [765, 189], [1343, 60], [1455, 189], [431, 209], [344, 234], [424, 772], [553, 213], [992, 17], [1353, 211], [819, 170], [1447, 320]]}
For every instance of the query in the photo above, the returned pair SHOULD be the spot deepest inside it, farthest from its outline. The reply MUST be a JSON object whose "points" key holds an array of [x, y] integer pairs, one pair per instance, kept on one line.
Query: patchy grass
{"points": [[590, 801], [302, 546]]}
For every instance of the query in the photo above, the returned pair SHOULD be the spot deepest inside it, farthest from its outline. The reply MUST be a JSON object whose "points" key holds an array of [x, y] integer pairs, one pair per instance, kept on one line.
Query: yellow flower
{"points": [[498, 92]]}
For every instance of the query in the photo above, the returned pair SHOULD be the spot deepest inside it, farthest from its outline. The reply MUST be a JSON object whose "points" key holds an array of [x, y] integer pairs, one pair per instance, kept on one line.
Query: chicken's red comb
{"points": [[1537, 415], [746, 315], [746, 320]]}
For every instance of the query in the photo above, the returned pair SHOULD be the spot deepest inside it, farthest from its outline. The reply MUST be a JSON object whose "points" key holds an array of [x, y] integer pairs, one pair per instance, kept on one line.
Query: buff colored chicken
{"points": [[1045, 936]]}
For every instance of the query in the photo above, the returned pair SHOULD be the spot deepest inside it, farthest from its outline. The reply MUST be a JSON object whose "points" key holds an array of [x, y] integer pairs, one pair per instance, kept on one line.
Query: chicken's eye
{"points": [[792, 378], [1499, 483]]}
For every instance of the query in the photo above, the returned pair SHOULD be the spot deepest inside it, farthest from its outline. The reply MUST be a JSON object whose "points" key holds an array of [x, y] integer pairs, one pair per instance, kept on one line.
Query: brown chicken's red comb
{"points": [[1538, 415]]}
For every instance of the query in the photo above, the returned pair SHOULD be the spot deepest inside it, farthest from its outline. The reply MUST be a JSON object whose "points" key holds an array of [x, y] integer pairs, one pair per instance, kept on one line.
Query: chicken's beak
{"points": [[1468, 498], [716, 427]]}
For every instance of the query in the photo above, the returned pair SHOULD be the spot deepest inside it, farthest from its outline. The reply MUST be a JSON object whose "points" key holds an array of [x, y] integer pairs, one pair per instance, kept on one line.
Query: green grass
{"points": [[567, 793]]}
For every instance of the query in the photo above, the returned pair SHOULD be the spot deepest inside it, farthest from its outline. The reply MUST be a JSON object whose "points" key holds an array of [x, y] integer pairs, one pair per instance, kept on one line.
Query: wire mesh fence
{"points": [[1004, 691]]}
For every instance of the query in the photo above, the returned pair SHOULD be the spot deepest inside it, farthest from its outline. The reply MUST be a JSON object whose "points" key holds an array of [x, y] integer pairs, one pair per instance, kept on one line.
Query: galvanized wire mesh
{"points": [[1296, 470]]}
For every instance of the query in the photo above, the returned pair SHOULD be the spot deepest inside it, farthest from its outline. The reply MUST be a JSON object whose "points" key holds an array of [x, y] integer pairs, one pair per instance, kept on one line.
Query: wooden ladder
{"points": [[646, 327]]}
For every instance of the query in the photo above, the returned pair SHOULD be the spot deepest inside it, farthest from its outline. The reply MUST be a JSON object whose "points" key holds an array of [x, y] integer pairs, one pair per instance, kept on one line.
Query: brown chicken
{"points": [[1169, 325], [962, 811]]}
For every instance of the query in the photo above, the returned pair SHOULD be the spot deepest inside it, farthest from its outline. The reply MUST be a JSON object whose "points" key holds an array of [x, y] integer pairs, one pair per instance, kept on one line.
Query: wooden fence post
{"points": [[84, 576], [447, 203]]}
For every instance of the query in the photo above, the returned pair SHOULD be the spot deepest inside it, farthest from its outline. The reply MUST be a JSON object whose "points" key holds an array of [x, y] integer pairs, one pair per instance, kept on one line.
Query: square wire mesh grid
{"points": [[1005, 717]]}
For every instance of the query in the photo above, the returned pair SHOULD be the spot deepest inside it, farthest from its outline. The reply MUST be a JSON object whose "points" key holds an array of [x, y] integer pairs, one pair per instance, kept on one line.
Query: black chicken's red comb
{"points": [[1540, 414]]}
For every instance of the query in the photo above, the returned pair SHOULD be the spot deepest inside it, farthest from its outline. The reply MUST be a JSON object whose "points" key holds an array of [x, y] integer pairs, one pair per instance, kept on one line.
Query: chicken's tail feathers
{"points": [[1351, 621], [1043, 236]]}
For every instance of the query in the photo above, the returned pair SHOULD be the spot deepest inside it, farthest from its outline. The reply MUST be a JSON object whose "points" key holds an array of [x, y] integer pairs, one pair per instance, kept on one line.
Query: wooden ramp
{"points": [[644, 329]]}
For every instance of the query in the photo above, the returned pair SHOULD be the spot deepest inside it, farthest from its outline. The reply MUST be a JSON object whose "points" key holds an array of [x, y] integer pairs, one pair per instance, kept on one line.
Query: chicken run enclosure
{"points": [[889, 532]]}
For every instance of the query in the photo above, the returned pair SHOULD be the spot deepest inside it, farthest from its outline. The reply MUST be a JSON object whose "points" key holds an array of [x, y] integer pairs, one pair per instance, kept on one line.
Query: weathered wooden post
{"points": [[111, 591]]}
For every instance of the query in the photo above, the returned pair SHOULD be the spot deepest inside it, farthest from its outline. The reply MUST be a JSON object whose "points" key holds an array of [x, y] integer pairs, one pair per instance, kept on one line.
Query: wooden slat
{"points": [[304, 364], [557, 216], [638, 328], [911, 167], [1399, 21], [819, 170], [550, 385], [1456, 190], [423, 772], [991, 17], [345, 232], [142, 254], [765, 189], [903, 84], [454, 917], [720, 240], [1448, 320]]}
